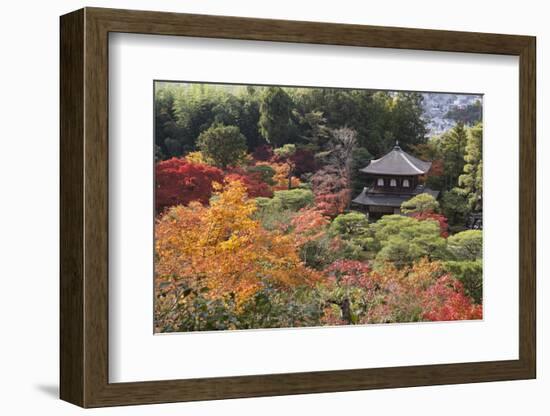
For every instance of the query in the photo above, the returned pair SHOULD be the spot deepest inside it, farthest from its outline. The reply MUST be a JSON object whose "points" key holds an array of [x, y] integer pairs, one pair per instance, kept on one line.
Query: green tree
{"points": [[421, 203], [472, 179], [403, 240], [224, 145], [375, 133], [266, 172], [158, 153], [271, 214], [292, 200], [470, 273], [275, 116], [170, 137], [354, 230], [452, 145], [466, 245], [407, 124], [194, 110], [361, 158], [249, 115], [313, 128], [378, 117], [455, 206], [183, 111], [350, 225], [240, 109]]}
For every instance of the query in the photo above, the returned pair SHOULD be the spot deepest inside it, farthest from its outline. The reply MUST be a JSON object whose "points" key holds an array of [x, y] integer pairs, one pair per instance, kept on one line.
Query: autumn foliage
{"points": [[440, 218], [309, 224], [222, 251], [350, 273], [281, 175], [304, 162], [263, 153], [256, 224], [332, 193], [445, 301], [236, 248], [220, 266], [179, 182], [421, 292], [253, 182]]}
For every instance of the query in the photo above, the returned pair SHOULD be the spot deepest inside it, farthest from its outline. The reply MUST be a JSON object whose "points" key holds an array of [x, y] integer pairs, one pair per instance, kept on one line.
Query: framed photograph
{"points": [[257, 207]]}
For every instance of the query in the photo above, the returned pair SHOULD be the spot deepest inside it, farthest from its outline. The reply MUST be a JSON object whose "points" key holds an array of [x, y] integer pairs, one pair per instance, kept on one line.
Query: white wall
{"points": [[29, 209]]}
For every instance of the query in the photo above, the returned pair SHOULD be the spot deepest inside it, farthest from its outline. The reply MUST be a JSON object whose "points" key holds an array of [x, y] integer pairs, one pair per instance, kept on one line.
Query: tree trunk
{"points": [[289, 176], [346, 310]]}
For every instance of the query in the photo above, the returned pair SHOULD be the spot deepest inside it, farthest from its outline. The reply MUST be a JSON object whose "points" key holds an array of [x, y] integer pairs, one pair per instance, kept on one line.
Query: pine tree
{"points": [[223, 145], [275, 116], [472, 179], [452, 146]]}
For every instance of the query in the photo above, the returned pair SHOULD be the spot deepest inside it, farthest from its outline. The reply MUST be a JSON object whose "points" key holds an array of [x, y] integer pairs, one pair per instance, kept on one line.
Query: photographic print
{"points": [[283, 207]]}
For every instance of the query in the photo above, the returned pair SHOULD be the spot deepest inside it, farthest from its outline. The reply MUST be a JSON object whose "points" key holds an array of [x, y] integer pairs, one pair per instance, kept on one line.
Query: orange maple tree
{"points": [[281, 175], [223, 251]]}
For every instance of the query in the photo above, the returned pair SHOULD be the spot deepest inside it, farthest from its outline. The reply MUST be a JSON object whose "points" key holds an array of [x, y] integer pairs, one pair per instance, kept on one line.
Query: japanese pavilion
{"points": [[393, 179]]}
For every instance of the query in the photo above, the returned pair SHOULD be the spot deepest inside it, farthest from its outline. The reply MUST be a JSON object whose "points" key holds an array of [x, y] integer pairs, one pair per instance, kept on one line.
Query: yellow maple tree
{"points": [[222, 248], [281, 175], [196, 157]]}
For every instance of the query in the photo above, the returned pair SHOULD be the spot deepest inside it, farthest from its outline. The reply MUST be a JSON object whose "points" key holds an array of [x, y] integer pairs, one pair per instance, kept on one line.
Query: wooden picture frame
{"points": [[84, 207]]}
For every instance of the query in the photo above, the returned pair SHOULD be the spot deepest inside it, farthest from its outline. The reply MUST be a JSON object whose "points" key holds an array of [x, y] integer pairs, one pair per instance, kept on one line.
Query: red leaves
{"points": [[222, 248], [179, 182], [225, 248], [445, 301], [350, 273], [332, 194], [441, 219], [263, 153], [309, 224], [253, 182], [332, 204], [422, 292], [304, 162]]}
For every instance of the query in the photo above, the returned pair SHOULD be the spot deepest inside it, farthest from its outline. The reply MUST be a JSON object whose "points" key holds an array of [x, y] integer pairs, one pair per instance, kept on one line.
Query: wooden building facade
{"points": [[391, 180]]}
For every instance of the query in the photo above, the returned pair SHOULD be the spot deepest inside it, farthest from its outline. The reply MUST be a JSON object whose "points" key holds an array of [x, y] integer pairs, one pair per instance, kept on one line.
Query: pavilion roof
{"points": [[397, 162]]}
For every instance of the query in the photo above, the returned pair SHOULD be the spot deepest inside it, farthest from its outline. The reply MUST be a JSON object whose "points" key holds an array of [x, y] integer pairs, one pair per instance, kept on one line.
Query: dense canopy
{"points": [[255, 224]]}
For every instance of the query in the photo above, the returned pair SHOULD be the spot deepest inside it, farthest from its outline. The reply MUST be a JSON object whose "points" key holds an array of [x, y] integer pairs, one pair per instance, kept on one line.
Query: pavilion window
{"points": [[406, 183], [380, 182], [393, 183]]}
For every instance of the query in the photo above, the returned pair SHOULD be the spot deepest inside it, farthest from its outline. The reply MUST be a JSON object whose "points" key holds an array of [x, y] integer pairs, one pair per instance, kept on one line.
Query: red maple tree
{"points": [[263, 153], [304, 162], [441, 219], [179, 182], [350, 273], [446, 301], [331, 189], [255, 186]]}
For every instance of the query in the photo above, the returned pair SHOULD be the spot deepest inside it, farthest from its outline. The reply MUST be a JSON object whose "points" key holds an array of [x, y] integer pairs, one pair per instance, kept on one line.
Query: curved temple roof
{"points": [[397, 162]]}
